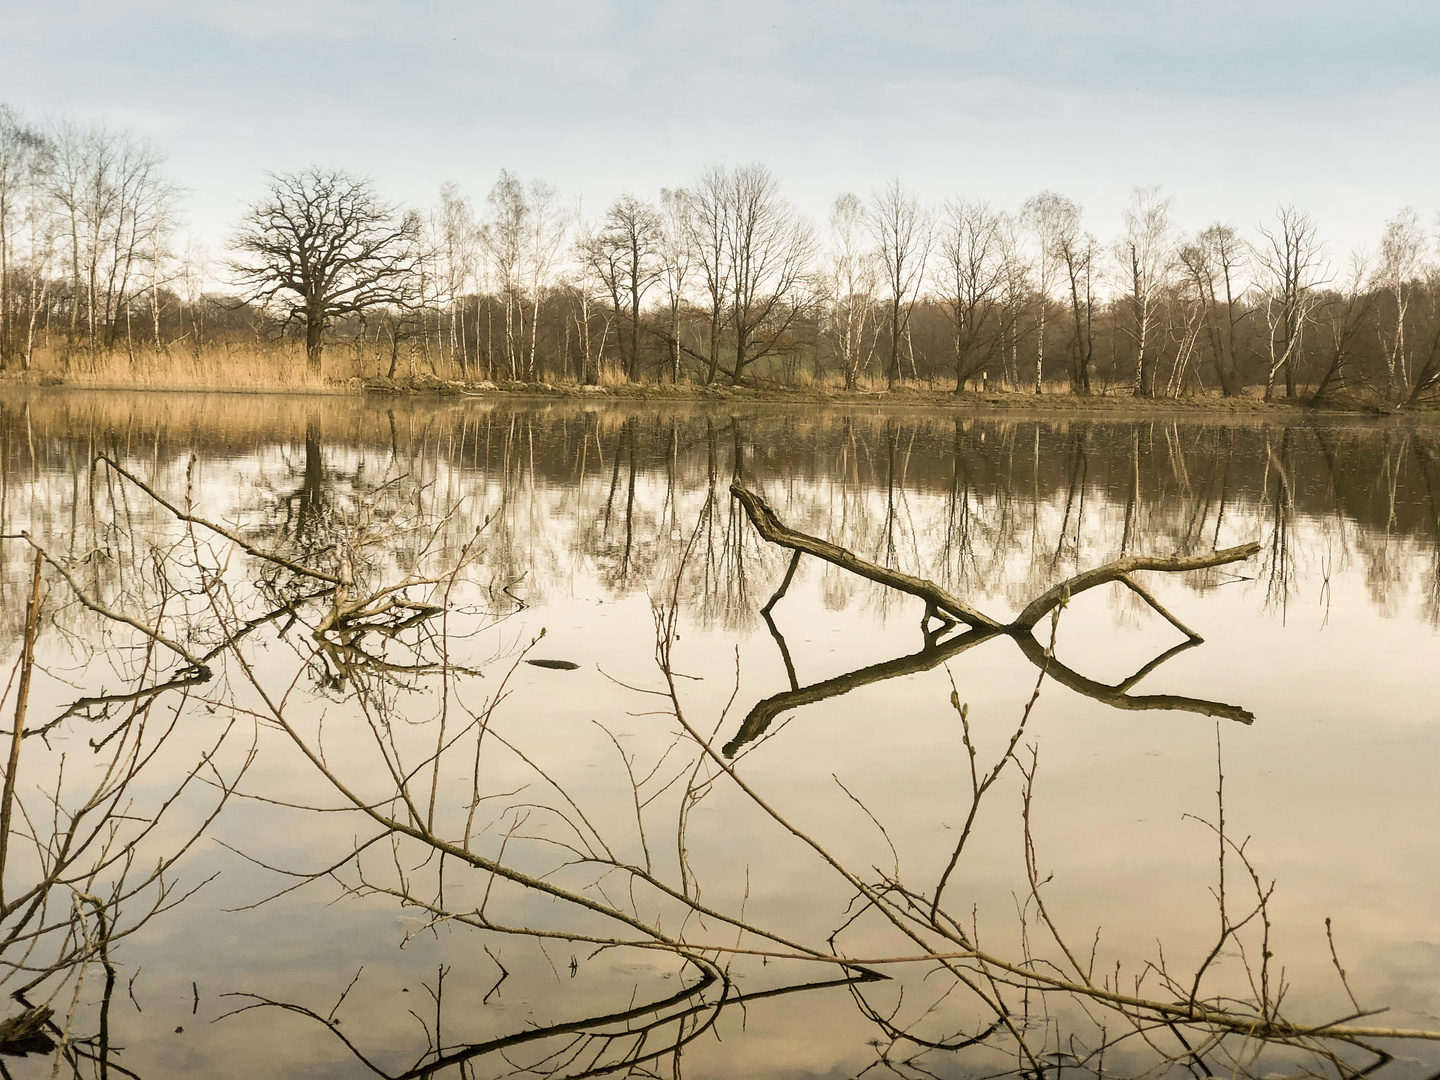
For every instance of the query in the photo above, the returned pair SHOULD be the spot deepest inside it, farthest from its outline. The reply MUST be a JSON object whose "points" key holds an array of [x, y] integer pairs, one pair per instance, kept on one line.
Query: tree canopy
{"points": [[322, 244]]}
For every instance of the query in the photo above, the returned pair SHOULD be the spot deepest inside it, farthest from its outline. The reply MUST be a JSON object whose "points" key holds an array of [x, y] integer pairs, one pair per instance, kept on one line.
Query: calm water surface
{"points": [[1311, 703]]}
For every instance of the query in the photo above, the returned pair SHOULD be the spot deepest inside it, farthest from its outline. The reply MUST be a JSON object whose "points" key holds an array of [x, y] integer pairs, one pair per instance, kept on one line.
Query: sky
{"points": [[1232, 108]]}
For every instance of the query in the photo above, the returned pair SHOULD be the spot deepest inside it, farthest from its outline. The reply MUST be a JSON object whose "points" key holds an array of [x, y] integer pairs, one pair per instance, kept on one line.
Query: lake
{"points": [[461, 737]]}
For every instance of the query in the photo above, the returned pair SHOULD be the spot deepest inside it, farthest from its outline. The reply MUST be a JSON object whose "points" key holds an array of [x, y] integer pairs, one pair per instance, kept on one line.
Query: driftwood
{"points": [[554, 665], [26, 1033], [948, 609], [937, 600]]}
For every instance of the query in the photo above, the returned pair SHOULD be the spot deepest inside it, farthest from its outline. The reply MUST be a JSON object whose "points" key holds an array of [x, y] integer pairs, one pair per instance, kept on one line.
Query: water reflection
{"points": [[966, 500], [343, 577], [647, 1039]]}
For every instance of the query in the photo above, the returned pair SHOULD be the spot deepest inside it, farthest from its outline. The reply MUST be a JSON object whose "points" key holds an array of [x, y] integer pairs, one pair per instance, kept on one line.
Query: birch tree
{"points": [[1046, 217], [850, 285], [503, 236], [22, 163], [119, 210], [1145, 258], [902, 232], [548, 221], [676, 257], [590, 282], [1015, 289], [1402, 254], [456, 237]]}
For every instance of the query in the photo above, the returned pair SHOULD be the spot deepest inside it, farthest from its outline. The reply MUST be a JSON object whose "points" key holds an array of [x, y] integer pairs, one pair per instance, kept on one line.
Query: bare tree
{"points": [[120, 210], [158, 267], [676, 257], [769, 247], [1346, 315], [1402, 253], [1013, 295], [592, 275], [1215, 262], [631, 238], [1076, 251], [1048, 218], [707, 233], [903, 234], [22, 160], [43, 239], [322, 244], [1424, 374], [504, 235], [972, 256], [752, 251], [549, 224], [850, 283], [194, 273], [1291, 267], [454, 244], [1146, 260]]}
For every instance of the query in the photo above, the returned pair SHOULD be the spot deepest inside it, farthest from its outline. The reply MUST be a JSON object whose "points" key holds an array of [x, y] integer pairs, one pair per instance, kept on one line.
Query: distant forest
{"points": [[721, 282]]}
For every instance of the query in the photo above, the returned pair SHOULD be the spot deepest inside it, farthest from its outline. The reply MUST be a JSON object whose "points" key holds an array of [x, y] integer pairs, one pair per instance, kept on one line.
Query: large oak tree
{"points": [[321, 244]]}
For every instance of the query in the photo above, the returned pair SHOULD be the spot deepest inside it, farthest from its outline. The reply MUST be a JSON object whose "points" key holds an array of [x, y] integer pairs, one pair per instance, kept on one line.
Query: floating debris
{"points": [[555, 665], [25, 1033]]}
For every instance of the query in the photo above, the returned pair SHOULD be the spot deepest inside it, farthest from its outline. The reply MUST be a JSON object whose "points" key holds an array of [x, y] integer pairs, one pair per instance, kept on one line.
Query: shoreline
{"points": [[1061, 401]]}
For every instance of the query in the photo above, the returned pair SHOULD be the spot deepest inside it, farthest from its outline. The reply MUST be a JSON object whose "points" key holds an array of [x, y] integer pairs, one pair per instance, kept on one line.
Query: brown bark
{"points": [[948, 609]]}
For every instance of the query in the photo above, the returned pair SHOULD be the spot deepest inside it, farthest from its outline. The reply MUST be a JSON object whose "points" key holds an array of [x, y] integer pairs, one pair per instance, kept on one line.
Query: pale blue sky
{"points": [[1232, 107]]}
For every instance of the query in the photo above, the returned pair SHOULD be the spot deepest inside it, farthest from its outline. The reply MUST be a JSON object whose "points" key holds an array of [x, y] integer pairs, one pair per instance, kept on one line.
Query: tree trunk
{"points": [[675, 345], [893, 375], [4, 281], [1040, 351], [1145, 361], [534, 335], [314, 342], [714, 347], [634, 366]]}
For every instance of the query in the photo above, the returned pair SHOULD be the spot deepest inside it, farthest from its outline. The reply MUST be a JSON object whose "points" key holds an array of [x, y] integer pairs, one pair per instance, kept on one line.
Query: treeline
{"points": [[722, 281]]}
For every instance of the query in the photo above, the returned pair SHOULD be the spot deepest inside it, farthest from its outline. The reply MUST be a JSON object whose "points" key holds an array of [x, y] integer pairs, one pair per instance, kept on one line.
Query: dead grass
{"points": [[280, 367], [219, 367]]}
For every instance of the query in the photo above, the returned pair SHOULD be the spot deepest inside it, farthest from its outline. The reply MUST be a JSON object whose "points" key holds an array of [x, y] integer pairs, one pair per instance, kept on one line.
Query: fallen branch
{"points": [[948, 609], [769, 525], [1120, 570]]}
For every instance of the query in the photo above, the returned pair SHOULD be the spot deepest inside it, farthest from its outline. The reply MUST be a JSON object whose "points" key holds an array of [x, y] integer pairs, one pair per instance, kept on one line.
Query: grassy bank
{"points": [[282, 369]]}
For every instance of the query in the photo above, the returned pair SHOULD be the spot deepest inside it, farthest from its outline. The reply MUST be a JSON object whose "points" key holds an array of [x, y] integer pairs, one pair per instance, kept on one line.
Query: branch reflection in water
{"points": [[369, 604]]}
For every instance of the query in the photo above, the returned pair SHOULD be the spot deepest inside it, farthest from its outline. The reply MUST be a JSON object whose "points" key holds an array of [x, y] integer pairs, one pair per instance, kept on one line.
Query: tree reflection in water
{"points": [[341, 605]]}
